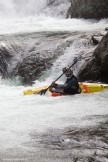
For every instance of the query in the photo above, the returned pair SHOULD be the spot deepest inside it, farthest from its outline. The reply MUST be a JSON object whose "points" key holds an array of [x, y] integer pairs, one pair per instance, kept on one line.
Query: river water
{"points": [[46, 129]]}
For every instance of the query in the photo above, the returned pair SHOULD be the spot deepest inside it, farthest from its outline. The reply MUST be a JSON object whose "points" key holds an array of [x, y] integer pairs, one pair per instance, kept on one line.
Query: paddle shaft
{"points": [[61, 75]]}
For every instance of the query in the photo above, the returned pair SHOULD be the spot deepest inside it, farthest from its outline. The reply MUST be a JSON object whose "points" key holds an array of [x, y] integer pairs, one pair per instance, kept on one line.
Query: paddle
{"points": [[43, 91]]}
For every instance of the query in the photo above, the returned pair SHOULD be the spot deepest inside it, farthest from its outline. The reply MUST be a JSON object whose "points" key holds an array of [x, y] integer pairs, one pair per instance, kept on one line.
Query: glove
{"points": [[42, 92], [64, 70], [53, 84]]}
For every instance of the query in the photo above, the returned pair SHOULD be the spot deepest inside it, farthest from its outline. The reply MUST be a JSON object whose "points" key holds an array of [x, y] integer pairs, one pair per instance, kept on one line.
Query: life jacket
{"points": [[74, 87]]}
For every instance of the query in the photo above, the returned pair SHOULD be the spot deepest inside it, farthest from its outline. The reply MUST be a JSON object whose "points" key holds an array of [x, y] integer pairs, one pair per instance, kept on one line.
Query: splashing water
{"points": [[24, 119], [13, 8]]}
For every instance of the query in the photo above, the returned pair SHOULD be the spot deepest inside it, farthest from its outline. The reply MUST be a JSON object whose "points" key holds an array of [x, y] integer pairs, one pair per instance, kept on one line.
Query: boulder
{"points": [[57, 8], [32, 67], [5, 55], [88, 9], [97, 68]]}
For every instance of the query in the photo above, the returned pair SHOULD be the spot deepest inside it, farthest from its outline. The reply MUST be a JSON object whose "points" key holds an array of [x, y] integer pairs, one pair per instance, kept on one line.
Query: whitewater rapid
{"points": [[23, 117], [43, 23]]}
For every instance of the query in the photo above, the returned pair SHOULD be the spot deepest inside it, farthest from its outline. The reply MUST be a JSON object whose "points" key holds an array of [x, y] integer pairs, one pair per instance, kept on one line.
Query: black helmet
{"points": [[68, 72]]}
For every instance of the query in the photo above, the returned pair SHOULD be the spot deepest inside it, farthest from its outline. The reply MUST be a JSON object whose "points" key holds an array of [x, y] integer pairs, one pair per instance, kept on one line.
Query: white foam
{"points": [[20, 115], [42, 23]]}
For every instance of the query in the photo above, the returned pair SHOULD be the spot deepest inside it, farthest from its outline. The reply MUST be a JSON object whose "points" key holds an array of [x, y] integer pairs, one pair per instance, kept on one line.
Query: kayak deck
{"points": [[86, 88], [93, 87]]}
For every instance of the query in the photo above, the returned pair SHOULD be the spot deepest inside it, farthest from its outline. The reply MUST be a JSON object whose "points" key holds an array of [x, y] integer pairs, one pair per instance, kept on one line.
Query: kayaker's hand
{"points": [[64, 70], [53, 84], [42, 92]]}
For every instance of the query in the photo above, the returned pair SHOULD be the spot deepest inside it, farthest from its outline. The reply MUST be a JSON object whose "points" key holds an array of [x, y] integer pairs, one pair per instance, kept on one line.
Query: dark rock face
{"points": [[41, 57], [32, 67], [57, 8], [5, 55], [97, 68], [28, 56], [88, 9]]}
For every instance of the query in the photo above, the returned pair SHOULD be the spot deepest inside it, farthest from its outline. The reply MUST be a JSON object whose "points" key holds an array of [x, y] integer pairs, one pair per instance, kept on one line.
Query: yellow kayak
{"points": [[86, 88]]}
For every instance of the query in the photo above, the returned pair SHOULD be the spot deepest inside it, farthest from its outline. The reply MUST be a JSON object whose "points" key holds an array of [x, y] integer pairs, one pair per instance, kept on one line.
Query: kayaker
{"points": [[71, 85]]}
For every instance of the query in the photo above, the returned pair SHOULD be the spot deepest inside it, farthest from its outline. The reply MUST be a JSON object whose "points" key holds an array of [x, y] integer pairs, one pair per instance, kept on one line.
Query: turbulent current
{"points": [[42, 128]]}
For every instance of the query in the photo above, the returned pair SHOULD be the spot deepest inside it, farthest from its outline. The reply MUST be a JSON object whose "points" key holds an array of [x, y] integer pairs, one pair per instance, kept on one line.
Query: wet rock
{"points": [[97, 68], [28, 56], [32, 67], [5, 54], [60, 6], [88, 9], [96, 39], [106, 29]]}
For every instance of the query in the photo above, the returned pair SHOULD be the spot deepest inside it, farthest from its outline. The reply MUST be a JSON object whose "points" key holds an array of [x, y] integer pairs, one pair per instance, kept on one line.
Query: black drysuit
{"points": [[70, 87]]}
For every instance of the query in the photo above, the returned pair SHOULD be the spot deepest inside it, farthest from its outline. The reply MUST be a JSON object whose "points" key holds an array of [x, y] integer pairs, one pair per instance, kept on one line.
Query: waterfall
{"points": [[14, 8]]}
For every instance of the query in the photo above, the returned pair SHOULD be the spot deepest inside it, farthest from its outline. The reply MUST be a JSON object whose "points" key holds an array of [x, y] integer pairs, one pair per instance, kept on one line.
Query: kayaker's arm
{"points": [[70, 84], [58, 85], [61, 85]]}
